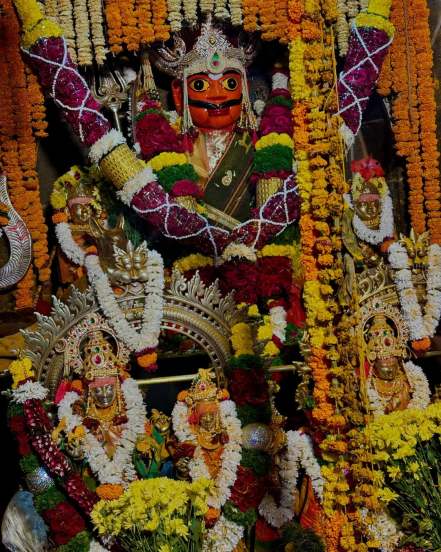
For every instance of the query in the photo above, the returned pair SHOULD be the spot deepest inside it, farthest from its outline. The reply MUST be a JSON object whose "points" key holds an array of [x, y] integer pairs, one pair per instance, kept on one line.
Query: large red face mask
{"points": [[213, 103]]}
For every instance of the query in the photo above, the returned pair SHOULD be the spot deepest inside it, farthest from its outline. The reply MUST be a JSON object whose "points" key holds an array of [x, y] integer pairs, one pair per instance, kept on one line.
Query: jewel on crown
{"points": [[203, 389], [99, 359]]}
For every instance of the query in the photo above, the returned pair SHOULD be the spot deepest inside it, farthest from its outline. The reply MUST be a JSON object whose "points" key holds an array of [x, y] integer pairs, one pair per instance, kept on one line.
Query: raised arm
{"points": [[47, 52]]}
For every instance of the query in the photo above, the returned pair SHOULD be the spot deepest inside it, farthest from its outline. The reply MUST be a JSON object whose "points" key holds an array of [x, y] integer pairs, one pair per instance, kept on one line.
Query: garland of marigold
{"points": [[22, 115], [409, 77], [160, 25], [144, 15], [114, 25], [319, 156]]}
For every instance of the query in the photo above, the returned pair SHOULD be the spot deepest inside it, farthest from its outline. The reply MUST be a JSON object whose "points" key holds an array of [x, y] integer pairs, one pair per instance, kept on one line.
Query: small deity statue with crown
{"points": [[104, 412], [102, 419], [368, 221], [392, 383], [206, 425]]}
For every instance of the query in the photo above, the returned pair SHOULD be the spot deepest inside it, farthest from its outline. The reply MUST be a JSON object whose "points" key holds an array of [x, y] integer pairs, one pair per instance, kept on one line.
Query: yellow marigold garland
{"points": [[242, 339]]}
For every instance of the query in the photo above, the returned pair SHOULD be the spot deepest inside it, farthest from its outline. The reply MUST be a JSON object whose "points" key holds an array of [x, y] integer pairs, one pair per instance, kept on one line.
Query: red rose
{"points": [[242, 278], [24, 447], [186, 188], [155, 135], [248, 490], [183, 450], [264, 532], [248, 387], [64, 521], [295, 314], [276, 118], [206, 273], [368, 167], [274, 276]]}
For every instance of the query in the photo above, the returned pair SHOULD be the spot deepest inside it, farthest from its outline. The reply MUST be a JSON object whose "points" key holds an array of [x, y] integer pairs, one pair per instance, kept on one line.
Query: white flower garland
{"points": [[153, 306], [386, 228], [119, 469], [384, 530], [153, 291], [238, 250], [420, 326], [95, 546], [174, 15], [223, 537], [279, 81], [299, 453], [105, 145], [68, 245], [278, 322], [236, 12], [231, 454], [29, 390], [419, 388]]}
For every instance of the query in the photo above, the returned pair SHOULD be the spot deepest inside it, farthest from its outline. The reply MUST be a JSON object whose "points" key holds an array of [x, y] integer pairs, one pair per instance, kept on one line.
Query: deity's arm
{"points": [[370, 38], [47, 51]]}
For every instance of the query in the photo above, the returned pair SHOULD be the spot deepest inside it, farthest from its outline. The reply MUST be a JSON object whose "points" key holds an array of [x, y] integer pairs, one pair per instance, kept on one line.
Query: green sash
{"points": [[227, 195]]}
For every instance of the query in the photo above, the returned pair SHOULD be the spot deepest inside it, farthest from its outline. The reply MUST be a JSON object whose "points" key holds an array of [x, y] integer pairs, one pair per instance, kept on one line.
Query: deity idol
{"points": [[205, 421], [368, 221], [392, 384], [102, 419], [217, 125]]}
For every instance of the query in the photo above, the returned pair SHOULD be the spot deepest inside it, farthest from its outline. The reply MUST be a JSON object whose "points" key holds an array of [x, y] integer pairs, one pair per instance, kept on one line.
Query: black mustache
{"points": [[208, 105]]}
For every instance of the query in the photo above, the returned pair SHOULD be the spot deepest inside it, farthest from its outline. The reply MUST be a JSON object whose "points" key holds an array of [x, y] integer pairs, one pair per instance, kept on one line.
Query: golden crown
{"points": [[203, 388], [382, 340], [212, 53], [375, 186], [99, 359]]}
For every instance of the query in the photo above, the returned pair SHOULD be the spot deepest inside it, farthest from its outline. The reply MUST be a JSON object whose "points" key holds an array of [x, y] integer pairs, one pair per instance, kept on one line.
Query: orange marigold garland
{"points": [[250, 11], [427, 116], [160, 25], [268, 19], [414, 112], [130, 30], [22, 120], [144, 14], [114, 25]]}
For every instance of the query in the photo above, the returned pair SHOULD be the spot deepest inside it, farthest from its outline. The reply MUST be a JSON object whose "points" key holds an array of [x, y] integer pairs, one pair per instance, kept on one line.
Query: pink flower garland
{"points": [[61, 79], [367, 50]]}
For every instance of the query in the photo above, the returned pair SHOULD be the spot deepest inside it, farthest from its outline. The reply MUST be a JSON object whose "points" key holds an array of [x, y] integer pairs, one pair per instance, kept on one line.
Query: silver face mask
{"points": [[104, 395]]}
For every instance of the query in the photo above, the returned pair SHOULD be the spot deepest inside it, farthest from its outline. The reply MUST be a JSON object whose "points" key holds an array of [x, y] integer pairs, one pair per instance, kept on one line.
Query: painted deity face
{"points": [[214, 100], [387, 368], [104, 395], [81, 213], [368, 208]]}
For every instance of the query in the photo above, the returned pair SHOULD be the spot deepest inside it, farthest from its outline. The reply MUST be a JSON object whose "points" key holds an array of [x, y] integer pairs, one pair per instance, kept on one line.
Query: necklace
{"points": [[216, 142]]}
